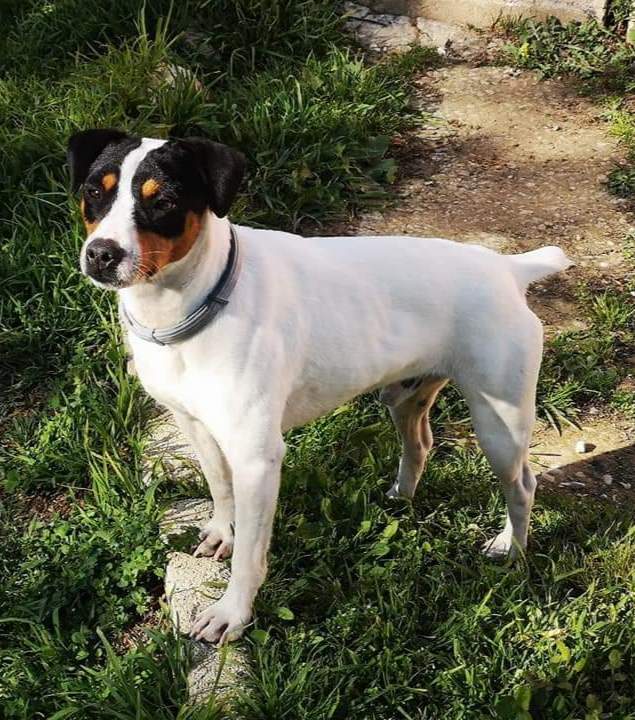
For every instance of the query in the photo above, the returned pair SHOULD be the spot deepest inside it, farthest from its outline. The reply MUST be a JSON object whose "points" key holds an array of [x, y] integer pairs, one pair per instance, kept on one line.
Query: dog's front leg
{"points": [[256, 480], [217, 535]]}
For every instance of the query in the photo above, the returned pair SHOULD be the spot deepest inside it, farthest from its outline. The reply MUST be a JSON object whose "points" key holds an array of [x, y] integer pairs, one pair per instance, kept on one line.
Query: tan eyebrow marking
{"points": [[149, 188], [109, 181]]}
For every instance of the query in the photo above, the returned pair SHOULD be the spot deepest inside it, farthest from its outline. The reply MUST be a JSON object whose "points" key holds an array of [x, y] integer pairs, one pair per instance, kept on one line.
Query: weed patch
{"points": [[596, 54], [581, 367]]}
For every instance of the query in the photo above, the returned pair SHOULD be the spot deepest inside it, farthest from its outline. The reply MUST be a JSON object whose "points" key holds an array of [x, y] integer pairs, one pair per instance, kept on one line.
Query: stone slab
{"points": [[192, 583], [452, 26], [442, 35], [380, 32], [482, 13], [166, 446]]}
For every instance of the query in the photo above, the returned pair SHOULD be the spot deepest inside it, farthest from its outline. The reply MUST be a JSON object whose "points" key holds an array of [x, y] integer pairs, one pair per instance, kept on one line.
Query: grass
{"points": [[395, 614], [588, 50], [372, 609], [584, 367]]}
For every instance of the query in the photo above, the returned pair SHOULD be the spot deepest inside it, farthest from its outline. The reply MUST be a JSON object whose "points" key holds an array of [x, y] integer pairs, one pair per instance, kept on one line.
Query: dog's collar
{"points": [[217, 298]]}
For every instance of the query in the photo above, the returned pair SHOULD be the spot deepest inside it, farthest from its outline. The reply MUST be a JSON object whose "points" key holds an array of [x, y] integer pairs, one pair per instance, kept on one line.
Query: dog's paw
{"points": [[396, 494], [221, 622], [217, 541], [502, 547]]}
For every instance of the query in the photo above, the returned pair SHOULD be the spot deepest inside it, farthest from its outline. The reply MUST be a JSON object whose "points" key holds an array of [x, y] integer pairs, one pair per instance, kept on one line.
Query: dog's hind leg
{"points": [[504, 432], [410, 413], [501, 397]]}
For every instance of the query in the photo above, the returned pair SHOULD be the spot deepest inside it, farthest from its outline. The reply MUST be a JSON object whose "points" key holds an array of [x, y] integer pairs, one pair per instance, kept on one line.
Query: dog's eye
{"points": [[164, 205], [93, 193]]}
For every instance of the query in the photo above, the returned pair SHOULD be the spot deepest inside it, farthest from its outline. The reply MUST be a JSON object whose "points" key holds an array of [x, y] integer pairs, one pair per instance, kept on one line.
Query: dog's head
{"points": [[144, 201]]}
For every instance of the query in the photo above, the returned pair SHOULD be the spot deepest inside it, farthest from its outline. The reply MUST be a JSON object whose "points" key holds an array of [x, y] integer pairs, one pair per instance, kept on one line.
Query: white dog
{"points": [[246, 333]]}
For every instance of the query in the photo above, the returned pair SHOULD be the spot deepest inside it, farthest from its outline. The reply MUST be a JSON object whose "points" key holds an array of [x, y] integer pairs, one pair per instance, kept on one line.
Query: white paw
{"points": [[217, 541], [221, 622], [501, 547], [395, 493]]}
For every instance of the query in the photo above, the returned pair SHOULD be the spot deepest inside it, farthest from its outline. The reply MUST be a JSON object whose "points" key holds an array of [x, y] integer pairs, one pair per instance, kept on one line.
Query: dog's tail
{"points": [[538, 264]]}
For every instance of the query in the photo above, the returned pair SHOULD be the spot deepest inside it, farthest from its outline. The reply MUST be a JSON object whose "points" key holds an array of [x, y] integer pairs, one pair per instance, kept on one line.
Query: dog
{"points": [[245, 333]]}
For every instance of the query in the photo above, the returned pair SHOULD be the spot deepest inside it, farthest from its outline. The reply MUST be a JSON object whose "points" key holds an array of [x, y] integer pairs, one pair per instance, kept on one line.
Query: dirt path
{"points": [[515, 163]]}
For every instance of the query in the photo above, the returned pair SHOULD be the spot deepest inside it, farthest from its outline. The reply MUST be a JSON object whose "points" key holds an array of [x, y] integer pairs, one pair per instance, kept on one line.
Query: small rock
{"points": [[626, 486], [582, 446], [580, 474], [383, 32], [607, 479]]}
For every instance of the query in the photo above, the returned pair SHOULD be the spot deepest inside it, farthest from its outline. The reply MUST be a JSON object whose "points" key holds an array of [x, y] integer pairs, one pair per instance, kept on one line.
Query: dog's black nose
{"points": [[102, 257]]}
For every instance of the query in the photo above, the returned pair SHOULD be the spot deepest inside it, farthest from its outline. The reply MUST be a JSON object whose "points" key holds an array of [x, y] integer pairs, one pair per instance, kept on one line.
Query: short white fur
{"points": [[313, 322]]}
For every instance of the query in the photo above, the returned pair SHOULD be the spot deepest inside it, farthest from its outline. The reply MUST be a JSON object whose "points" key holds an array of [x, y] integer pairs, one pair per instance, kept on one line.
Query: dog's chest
{"points": [[162, 372]]}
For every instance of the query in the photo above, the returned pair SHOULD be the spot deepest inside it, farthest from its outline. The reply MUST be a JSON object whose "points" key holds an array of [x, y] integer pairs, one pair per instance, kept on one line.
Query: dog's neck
{"points": [[180, 288]]}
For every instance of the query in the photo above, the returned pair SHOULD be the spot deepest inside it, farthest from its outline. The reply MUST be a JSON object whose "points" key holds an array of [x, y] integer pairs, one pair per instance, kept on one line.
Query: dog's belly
{"points": [[312, 399], [303, 408]]}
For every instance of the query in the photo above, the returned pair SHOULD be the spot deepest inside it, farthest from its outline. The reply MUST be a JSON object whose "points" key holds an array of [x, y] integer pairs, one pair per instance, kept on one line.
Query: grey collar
{"points": [[217, 298]]}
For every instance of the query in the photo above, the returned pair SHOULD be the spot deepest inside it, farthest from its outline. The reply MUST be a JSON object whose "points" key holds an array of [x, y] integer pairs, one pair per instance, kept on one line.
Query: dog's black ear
{"points": [[222, 169], [83, 149]]}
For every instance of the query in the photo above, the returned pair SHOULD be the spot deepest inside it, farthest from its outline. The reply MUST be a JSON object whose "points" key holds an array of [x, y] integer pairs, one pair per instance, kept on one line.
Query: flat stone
{"points": [[392, 7], [380, 32], [171, 74], [191, 584], [185, 514], [167, 448], [482, 13]]}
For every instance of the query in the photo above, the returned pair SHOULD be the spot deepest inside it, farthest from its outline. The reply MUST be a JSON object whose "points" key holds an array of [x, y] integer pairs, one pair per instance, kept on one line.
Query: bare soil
{"points": [[513, 162]]}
